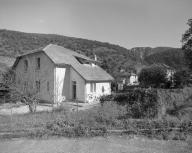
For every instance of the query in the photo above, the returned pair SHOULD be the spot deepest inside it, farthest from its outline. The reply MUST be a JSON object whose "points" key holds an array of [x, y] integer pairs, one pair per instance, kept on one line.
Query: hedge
{"points": [[140, 102], [150, 103]]}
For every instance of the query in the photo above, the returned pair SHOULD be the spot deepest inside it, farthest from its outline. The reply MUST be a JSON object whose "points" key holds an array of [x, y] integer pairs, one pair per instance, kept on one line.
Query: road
{"points": [[111, 144]]}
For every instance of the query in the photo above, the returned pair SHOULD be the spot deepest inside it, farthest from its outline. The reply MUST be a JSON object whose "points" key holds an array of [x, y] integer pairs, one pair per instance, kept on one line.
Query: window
{"points": [[25, 65], [93, 87], [25, 85], [37, 86], [74, 89], [38, 64], [47, 86], [103, 89]]}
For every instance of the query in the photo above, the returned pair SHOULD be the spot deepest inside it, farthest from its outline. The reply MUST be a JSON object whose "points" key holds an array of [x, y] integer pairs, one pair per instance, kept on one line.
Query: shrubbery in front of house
{"points": [[152, 103], [131, 112], [167, 129], [99, 121], [140, 103], [108, 118]]}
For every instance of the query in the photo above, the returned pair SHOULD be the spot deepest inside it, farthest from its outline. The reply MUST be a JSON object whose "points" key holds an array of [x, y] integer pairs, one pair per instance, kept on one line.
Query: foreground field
{"points": [[97, 121], [112, 144]]}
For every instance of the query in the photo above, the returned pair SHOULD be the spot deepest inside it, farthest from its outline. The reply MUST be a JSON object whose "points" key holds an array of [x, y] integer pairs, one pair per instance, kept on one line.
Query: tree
{"points": [[25, 86], [187, 44], [180, 78], [152, 76], [27, 95]]}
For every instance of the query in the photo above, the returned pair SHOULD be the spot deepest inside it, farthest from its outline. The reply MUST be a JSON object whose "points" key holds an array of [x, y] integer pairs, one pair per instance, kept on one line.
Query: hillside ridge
{"points": [[113, 57]]}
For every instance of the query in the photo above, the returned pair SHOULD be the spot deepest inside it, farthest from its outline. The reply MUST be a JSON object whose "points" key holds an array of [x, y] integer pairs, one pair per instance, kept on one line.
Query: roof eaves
{"points": [[102, 80], [31, 52], [62, 65], [16, 62]]}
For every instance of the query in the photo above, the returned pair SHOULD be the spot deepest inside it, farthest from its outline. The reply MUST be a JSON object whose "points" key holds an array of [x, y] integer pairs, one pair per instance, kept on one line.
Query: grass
{"points": [[99, 120]]}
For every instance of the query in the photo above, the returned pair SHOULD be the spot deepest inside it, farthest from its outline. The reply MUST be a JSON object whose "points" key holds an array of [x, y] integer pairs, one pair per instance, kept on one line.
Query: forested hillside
{"points": [[112, 57], [173, 57]]}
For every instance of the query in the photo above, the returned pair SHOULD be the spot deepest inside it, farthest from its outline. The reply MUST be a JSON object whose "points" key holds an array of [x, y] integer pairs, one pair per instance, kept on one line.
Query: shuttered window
{"points": [[38, 63], [25, 65], [38, 85], [25, 86], [47, 86]]}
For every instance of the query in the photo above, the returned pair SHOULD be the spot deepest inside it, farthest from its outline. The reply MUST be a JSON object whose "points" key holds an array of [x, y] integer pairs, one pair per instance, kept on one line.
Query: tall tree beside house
{"points": [[28, 95], [152, 76], [187, 44]]}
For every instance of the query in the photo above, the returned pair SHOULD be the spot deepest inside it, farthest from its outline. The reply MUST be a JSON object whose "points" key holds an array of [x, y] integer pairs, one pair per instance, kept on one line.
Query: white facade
{"points": [[133, 80], [96, 89], [169, 74]]}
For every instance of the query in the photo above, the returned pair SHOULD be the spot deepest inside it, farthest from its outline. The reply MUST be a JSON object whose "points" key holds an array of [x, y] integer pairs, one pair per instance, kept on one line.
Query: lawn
{"points": [[109, 144]]}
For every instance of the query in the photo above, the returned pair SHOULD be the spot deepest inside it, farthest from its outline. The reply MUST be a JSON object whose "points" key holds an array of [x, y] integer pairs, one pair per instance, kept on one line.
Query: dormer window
{"points": [[25, 65], [38, 63], [85, 61]]}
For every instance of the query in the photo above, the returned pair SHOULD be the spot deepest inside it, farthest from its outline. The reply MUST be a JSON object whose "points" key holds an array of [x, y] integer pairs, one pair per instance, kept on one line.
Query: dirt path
{"points": [[9, 109], [112, 144]]}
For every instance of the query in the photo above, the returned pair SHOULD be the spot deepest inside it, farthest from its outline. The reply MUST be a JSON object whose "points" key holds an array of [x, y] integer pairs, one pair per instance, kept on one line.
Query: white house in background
{"points": [[59, 74], [169, 71], [127, 79], [133, 79]]}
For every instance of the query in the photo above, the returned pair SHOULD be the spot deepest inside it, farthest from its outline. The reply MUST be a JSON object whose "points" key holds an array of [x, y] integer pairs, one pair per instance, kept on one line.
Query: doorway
{"points": [[74, 90]]}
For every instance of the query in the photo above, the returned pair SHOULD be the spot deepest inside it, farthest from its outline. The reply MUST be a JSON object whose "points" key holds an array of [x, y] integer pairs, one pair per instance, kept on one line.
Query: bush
{"points": [[140, 103], [161, 129], [106, 98], [98, 121], [87, 123], [181, 78], [167, 129], [153, 76]]}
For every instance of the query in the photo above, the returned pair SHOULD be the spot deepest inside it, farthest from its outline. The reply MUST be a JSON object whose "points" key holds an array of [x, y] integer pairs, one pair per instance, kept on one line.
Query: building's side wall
{"points": [[80, 85], [44, 74], [102, 88]]}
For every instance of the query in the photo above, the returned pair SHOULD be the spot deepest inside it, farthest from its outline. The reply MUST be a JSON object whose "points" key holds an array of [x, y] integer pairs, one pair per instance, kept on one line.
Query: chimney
{"points": [[95, 57]]}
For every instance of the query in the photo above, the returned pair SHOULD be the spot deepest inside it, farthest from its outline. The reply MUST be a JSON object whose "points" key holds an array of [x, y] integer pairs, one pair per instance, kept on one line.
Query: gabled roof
{"points": [[61, 56]]}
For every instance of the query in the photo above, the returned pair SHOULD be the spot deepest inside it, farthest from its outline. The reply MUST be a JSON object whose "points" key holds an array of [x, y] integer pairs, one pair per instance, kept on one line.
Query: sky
{"points": [[128, 23]]}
